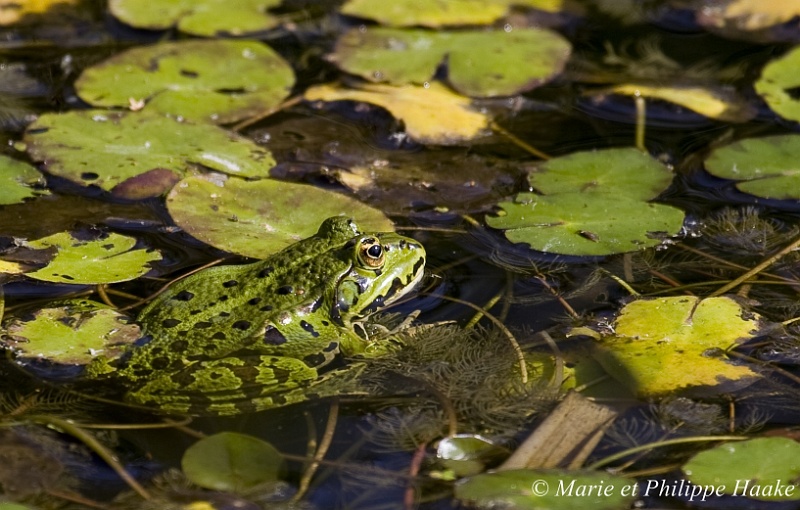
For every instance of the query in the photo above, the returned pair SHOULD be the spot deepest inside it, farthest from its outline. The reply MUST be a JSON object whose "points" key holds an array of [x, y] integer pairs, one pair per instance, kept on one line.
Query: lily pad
{"points": [[479, 63], [105, 149], [218, 81], [766, 167], [432, 114], [715, 103], [206, 18], [545, 490], [665, 345], [749, 15], [468, 454], [765, 469], [258, 218], [402, 13], [20, 12], [778, 85], [625, 171], [71, 334], [110, 259], [17, 179], [232, 462], [588, 223]]}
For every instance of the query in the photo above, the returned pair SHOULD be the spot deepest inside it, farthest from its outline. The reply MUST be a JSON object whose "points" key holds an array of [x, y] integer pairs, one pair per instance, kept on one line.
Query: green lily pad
{"points": [[626, 171], [402, 13], [590, 223], [546, 490], [218, 81], [16, 179], [665, 345], [766, 167], [71, 334], [232, 462], [206, 18], [105, 149], [765, 469], [468, 454], [479, 63], [258, 218], [778, 85], [432, 114], [110, 259]]}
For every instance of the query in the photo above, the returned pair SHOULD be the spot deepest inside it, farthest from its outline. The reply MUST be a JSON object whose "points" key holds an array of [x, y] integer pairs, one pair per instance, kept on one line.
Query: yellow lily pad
{"points": [[750, 15], [432, 114], [15, 12], [715, 103], [665, 345]]}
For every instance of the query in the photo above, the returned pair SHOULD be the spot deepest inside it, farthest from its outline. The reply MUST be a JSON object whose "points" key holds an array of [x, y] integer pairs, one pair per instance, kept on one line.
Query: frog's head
{"points": [[384, 267]]}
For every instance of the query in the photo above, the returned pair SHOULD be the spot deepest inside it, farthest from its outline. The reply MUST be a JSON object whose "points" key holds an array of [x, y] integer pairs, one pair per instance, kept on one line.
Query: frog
{"points": [[244, 338]]}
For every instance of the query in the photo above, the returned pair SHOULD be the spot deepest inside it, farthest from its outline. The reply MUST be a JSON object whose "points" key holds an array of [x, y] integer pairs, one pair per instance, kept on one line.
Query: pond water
{"points": [[615, 215]]}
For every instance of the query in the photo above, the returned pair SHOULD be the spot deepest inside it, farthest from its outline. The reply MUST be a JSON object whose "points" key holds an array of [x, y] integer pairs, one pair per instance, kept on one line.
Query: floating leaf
{"points": [[219, 81], [765, 469], [16, 179], [665, 345], [198, 17], [258, 218], [585, 223], [479, 63], [716, 103], [105, 149], [232, 462], [8, 267], [779, 83], [766, 167], [431, 114], [749, 15], [625, 171], [16, 12], [545, 490], [107, 260], [436, 14], [71, 334], [468, 454]]}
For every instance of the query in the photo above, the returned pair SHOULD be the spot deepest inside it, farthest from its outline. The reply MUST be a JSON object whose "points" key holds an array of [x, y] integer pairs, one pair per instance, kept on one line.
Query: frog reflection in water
{"points": [[242, 338]]}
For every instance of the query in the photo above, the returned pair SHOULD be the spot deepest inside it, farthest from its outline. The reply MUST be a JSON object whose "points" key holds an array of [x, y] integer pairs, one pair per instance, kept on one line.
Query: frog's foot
{"points": [[237, 385], [376, 332]]}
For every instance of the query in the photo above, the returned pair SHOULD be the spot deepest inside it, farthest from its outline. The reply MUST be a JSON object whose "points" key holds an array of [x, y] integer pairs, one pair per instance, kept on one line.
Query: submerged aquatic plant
{"points": [[473, 373], [746, 231]]}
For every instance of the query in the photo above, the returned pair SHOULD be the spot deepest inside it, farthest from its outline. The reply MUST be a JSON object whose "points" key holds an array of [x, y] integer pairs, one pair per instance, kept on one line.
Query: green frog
{"points": [[232, 339]]}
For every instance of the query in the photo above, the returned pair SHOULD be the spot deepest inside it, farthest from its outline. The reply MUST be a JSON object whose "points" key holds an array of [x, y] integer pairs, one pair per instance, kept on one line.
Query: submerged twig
{"points": [[523, 368], [518, 142], [658, 444], [96, 446], [324, 445], [641, 121], [757, 269]]}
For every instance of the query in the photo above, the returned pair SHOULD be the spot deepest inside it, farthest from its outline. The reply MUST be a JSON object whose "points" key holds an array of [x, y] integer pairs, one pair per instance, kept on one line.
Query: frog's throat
{"points": [[392, 296]]}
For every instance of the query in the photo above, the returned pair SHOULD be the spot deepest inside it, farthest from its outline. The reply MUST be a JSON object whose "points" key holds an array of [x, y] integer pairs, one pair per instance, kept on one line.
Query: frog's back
{"points": [[224, 309]]}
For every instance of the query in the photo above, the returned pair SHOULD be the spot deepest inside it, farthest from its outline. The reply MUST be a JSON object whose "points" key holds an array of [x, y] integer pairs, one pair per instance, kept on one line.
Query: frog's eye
{"points": [[371, 253]]}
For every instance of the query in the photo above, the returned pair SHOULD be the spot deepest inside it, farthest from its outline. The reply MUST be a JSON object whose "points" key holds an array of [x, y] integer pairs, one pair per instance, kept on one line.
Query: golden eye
{"points": [[372, 253]]}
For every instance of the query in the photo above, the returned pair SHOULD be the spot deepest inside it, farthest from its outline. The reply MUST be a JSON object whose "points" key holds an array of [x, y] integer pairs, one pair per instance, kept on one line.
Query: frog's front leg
{"points": [[227, 386]]}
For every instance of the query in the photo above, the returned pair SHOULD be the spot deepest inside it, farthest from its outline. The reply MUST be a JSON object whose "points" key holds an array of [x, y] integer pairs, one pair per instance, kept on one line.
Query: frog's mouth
{"points": [[397, 290]]}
